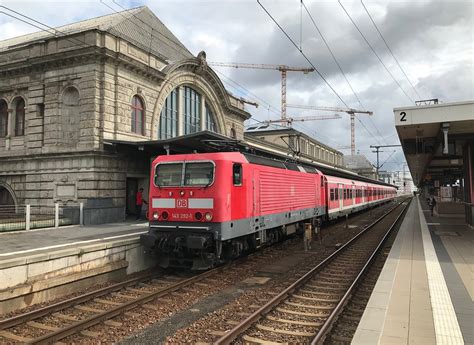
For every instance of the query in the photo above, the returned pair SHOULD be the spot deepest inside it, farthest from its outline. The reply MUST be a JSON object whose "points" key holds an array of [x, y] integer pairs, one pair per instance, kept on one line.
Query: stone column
{"points": [[203, 113], [9, 129], [180, 110]]}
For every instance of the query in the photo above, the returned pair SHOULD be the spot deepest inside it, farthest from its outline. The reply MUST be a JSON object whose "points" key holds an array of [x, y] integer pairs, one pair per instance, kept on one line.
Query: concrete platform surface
{"points": [[21, 243], [424, 294]]}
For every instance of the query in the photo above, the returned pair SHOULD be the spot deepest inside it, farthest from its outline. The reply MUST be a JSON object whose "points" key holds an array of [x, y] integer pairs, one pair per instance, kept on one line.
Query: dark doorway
{"points": [[132, 186], [5, 197]]}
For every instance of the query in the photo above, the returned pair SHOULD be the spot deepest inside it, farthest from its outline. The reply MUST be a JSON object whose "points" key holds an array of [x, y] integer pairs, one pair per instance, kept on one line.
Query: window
{"points": [[3, 119], [210, 121], [195, 174], [169, 174], [192, 111], [237, 174], [169, 117], [198, 174], [20, 117], [332, 194], [138, 116], [233, 134]]}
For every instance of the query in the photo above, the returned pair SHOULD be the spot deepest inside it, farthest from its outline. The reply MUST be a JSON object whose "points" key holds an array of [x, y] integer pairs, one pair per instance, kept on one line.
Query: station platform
{"points": [[425, 292], [21, 243], [44, 264]]}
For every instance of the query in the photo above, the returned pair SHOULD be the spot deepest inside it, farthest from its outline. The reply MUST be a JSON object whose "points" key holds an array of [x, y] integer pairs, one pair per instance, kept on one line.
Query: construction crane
{"points": [[290, 120], [282, 68], [349, 111]]}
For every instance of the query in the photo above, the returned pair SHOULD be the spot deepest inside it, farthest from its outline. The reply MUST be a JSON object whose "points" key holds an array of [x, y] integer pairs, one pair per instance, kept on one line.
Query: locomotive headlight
{"points": [[181, 193], [155, 215], [208, 216]]}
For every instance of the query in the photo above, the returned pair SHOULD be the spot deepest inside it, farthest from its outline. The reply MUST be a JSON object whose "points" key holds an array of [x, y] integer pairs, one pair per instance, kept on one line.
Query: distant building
{"points": [[360, 165], [404, 184], [293, 142], [68, 96]]}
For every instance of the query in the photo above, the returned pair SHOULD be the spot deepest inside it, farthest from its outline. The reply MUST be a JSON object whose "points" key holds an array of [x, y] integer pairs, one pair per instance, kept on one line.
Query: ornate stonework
{"points": [[77, 91]]}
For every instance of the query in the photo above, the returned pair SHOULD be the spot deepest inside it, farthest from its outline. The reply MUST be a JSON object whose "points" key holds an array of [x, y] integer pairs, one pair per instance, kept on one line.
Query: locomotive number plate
{"points": [[182, 203], [181, 216]]}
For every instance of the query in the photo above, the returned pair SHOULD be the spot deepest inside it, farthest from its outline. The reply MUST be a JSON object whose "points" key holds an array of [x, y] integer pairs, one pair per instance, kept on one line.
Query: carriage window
{"points": [[237, 174], [169, 174], [198, 174], [332, 194], [336, 196]]}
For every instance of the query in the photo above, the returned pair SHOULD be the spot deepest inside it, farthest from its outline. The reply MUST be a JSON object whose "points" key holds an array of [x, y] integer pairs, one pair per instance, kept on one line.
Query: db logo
{"points": [[181, 203]]}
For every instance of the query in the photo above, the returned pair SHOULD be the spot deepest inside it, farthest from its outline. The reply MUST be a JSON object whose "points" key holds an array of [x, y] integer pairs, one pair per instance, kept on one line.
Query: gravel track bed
{"points": [[200, 330], [345, 326], [173, 303], [75, 294]]}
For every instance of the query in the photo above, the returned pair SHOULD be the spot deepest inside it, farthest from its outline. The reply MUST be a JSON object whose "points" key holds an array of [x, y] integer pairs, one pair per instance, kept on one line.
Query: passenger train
{"points": [[208, 208]]}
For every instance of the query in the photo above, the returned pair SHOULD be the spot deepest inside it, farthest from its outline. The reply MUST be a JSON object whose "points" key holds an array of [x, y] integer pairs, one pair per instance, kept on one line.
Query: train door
{"points": [[353, 195], [256, 193], [341, 197]]}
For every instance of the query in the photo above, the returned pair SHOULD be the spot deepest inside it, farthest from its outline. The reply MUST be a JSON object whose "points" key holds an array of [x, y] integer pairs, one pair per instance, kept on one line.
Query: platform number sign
{"points": [[403, 116]]}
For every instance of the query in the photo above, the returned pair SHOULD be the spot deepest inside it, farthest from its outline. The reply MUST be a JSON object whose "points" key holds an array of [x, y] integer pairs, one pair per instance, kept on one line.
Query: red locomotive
{"points": [[211, 207]]}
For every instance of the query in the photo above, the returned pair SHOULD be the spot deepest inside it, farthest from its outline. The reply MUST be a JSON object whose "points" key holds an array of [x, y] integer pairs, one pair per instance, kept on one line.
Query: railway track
{"points": [[346, 324], [73, 318], [306, 311], [58, 321]]}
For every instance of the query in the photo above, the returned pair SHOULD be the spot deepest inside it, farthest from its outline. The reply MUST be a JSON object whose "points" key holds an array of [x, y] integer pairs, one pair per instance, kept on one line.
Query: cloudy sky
{"points": [[432, 40]]}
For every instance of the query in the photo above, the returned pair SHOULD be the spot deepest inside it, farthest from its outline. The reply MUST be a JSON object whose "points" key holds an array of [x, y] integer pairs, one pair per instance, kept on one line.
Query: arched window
{"points": [[192, 111], [210, 121], [233, 134], [138, 116], [3, 118], [20, 117], [169, 117]]}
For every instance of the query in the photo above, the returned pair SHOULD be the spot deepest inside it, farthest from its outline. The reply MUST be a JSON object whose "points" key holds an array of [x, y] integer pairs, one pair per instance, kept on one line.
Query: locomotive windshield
{"points": [[195, 174]]}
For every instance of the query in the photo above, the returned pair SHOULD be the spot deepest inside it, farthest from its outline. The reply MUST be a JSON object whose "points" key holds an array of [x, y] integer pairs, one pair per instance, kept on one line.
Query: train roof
{"points": [[206, 142]]}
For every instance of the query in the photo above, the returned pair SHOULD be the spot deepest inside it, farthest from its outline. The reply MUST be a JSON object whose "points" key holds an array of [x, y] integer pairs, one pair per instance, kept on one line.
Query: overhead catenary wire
{"points": [[303, 54], [337, 63], [309, 61], [332, 54], [129, 11], [390, 50], [48, 30], [375, 53]]}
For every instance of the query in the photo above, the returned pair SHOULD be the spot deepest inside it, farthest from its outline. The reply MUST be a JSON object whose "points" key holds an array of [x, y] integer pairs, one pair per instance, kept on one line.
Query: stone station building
{"points": [[67, 95]]}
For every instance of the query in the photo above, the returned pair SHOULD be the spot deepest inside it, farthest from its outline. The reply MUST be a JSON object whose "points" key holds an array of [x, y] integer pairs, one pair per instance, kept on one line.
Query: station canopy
{"points": [[434, 139], [206, 141]]}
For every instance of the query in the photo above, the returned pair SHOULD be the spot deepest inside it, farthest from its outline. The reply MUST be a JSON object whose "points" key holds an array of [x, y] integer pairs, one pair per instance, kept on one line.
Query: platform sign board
{"points": [[446, 193]]}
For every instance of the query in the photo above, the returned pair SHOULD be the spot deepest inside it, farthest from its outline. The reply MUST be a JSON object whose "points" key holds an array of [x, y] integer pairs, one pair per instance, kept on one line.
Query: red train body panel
{"points": [[213, 206]]}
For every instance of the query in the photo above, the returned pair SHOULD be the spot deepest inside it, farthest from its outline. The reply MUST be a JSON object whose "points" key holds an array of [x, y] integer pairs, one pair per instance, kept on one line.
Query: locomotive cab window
{"points": [[237, 174], [199, 174], [168, 174], [195, 174]]}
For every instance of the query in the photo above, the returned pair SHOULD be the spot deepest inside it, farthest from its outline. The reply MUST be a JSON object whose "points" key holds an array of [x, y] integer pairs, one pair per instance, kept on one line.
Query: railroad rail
{"points": [[141, 295], [306, 310]]}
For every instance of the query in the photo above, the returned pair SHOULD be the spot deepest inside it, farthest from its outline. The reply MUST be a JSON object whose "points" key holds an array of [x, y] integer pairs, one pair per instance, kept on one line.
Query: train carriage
{"points": [[208, 208]]}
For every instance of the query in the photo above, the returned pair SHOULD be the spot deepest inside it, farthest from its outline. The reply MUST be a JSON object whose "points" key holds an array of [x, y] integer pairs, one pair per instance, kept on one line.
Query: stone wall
{"points": [[76, 96]]}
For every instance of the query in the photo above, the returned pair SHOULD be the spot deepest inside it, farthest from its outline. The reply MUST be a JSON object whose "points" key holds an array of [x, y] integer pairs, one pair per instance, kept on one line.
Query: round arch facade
{"points": [[183, 77], [5, 186]]}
